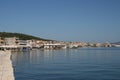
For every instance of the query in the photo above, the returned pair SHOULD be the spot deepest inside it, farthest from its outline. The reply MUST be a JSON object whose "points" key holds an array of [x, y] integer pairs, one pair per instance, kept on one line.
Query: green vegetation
{"points": [[20, 36]]}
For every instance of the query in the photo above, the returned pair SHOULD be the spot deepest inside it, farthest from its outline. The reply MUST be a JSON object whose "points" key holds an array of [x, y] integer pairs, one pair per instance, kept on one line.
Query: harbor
{"points": [[17, 44], [6, 67], [59, 40]]}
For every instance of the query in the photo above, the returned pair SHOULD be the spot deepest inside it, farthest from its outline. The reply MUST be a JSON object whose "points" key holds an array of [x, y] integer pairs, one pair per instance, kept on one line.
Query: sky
{"points": [[65, 20]]}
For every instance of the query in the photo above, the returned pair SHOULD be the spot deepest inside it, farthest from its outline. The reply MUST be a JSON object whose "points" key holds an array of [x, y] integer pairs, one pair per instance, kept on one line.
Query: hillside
{"points": [[116, 43], [21, 36]]}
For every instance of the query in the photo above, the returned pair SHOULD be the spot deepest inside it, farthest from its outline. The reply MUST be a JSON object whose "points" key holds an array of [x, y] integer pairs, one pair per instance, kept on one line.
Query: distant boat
{"points": [[26, 49], [116, 45]]}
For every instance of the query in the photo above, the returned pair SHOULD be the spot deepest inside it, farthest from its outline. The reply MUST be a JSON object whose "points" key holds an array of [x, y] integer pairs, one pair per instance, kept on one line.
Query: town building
{"points": [[11, 41], [1, 41]]}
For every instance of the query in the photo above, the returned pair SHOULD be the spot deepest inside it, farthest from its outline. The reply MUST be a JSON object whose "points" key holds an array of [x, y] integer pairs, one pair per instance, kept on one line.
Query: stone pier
{"points": [[6, 68]]}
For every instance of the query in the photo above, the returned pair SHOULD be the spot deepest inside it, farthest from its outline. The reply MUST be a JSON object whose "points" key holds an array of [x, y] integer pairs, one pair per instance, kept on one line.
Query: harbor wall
{"points": [[6, 67]]}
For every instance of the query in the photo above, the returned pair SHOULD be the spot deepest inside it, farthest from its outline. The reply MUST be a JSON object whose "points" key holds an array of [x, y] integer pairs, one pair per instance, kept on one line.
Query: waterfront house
{"points": [[22, 43], [98, 45], [31, 43], [107, 44], [1, 41], [11, 41]]}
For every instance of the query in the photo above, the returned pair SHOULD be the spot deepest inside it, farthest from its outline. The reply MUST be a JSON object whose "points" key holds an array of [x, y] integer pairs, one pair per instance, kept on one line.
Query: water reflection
{"points": [[71, 64], [20, 58], [81, 55], [40, 56]]}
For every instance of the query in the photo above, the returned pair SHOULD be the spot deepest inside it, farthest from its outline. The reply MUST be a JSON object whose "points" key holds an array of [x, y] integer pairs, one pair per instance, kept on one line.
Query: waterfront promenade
{"points": [[6, 69]]}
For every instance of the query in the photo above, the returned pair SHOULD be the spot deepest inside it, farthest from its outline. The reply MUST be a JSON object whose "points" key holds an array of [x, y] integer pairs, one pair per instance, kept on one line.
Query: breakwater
{"points": [[6, 68]]}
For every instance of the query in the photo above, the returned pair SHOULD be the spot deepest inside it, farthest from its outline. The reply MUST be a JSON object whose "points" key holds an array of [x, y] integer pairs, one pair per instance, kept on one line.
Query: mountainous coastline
{"points": [[21, 36], [116, 43]]}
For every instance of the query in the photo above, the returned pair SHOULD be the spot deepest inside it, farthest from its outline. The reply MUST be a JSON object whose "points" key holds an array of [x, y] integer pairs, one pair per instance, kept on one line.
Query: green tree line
{"points": [[20, 36]]}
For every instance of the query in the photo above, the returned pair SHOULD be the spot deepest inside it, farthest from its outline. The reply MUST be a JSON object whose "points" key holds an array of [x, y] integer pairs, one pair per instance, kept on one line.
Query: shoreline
{"points": [[6, 66]]}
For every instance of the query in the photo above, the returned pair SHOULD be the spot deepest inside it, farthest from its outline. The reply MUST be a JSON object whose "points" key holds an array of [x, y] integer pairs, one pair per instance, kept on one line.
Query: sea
{"points": [[68, 64]]}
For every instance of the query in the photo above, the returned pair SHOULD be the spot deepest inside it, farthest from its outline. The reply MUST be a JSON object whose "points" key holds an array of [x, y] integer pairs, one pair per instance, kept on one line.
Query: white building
{"points": [[11, 41]]}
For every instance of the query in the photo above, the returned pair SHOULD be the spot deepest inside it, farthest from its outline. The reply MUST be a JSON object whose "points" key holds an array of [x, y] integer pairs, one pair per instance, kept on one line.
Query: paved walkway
{"points": [[6, 69]]}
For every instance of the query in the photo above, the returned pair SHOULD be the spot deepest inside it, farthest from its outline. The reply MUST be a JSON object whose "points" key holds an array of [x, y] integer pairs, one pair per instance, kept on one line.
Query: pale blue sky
{"points": [[67, 20]]}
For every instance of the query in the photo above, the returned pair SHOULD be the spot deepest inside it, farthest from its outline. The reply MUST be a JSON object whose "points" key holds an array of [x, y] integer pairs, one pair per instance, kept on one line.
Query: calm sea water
{"points": [[72, 64]]}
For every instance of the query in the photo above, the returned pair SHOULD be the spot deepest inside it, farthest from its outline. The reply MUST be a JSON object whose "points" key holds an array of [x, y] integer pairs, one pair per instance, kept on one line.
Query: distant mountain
{"points": [[116, 42], [20, 36]]}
